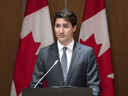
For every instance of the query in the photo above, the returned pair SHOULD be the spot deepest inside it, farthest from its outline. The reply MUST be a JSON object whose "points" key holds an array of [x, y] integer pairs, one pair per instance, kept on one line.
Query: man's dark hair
{"points": [[66, 15]]}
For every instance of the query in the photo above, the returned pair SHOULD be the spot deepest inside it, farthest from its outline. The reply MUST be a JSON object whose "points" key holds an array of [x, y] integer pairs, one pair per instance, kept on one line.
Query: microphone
{"points": [[46, 73]]}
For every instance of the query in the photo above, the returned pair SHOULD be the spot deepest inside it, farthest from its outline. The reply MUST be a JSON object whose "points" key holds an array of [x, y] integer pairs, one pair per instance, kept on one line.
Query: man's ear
{"points": [[74, 28]]}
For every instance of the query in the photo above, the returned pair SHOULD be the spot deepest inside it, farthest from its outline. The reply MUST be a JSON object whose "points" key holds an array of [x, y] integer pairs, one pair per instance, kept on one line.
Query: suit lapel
{"points": [[55, 55], [74, 60]]}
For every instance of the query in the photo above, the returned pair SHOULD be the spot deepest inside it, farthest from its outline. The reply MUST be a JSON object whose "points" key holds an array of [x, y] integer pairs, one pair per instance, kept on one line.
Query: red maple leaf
{"points": [[104, 66], [25, 62]]}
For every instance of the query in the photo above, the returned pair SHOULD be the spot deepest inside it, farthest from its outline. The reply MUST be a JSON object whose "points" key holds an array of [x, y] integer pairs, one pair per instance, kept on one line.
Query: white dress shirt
{"points": [[69, 52]]}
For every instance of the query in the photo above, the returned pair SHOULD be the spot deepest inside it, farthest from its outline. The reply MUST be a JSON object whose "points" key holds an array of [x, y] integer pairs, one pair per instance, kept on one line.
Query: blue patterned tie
{"points": [[64, 63]]}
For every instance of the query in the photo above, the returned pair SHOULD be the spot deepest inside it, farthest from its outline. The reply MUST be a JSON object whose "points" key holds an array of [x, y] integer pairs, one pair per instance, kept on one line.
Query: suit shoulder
{"points": [[45, 48], [84, 46], [48, 47]]}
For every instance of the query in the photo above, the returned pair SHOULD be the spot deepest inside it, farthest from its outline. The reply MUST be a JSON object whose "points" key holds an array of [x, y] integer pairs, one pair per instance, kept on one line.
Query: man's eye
{"points": [[57, 26], [65, 26]]}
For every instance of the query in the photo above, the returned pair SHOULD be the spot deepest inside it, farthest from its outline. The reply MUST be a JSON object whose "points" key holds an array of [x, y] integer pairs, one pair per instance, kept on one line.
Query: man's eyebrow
{"points": [[66, 24], [57, 24], [63, 24]]}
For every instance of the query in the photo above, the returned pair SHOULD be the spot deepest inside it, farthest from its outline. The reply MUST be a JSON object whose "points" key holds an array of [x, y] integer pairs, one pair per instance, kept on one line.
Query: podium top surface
{"points": [[64, 91]]}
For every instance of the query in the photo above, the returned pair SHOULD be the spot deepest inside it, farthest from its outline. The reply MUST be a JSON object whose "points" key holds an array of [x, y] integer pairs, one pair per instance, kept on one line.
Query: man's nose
{"points": [[61, 30]]}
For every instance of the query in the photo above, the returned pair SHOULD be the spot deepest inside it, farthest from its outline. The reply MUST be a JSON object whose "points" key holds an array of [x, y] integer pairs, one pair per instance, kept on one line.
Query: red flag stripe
{"points": [[92, 7], [33, 6], [93, 30], [26, 56]]}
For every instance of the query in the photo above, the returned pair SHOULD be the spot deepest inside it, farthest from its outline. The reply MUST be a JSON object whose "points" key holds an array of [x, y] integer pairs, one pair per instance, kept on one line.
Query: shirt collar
{"points": [[69, 46]]}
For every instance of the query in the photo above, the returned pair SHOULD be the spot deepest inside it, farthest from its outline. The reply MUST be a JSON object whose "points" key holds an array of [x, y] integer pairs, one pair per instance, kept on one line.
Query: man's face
{"points": [[64, 31]]}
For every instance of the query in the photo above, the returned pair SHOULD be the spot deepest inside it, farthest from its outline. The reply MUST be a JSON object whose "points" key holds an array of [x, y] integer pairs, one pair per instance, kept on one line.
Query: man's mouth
{"points": [[61, 35]]}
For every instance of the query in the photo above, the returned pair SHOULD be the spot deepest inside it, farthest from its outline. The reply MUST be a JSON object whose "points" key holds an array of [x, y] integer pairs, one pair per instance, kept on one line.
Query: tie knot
{"points": [[64, 49]]}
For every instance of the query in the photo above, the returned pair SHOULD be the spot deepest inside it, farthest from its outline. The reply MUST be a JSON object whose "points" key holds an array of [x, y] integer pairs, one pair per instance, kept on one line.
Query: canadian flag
{"points": [[36, 33], [94, 33]]}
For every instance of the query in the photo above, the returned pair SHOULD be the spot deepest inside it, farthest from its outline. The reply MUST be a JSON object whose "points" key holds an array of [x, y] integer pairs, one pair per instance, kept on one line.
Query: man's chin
{"points": [[61, 41]]}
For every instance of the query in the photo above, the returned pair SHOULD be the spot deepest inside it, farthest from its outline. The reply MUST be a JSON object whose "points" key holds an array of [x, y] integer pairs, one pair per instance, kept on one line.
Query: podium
{"points": [[65, 91]]}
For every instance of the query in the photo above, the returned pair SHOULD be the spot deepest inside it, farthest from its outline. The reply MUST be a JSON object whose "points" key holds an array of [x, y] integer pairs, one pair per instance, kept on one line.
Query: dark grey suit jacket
{"points": [[83, 69]]}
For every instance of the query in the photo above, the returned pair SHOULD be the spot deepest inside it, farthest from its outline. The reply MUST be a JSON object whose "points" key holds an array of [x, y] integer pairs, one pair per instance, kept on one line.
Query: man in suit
{"points": [[79, 60]]}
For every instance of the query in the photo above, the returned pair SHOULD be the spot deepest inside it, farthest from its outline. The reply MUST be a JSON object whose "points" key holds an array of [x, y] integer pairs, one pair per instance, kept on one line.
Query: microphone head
{"points": [[56, 62]]}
